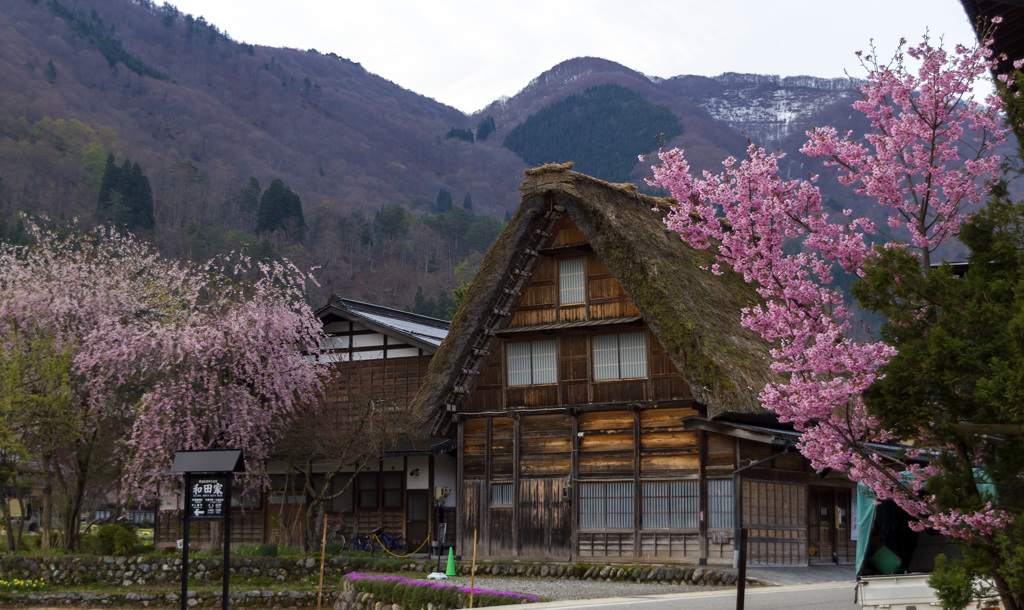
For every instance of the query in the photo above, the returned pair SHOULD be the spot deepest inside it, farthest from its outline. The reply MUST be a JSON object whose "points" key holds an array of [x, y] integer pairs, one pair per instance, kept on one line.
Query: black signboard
{"points": [[208, 497]]}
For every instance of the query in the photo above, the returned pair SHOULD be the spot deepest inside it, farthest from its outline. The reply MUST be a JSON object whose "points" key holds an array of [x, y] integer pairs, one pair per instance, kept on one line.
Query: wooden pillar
{"points": [[517, 544], [637, 492], [484, 520], [574, 471], [702, 495]]}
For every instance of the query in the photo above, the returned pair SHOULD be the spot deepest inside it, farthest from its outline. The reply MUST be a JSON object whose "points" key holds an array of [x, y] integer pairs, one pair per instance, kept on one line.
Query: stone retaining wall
{"points": [[150, 572]]}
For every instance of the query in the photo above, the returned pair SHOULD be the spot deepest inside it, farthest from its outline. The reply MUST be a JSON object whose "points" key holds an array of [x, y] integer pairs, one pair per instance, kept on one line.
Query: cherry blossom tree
{"points": [[927, 161], [164, 357]]}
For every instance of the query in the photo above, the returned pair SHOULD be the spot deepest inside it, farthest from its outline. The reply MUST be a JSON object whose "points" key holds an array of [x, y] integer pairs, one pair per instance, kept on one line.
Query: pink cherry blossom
{"points": [[927, 159]]}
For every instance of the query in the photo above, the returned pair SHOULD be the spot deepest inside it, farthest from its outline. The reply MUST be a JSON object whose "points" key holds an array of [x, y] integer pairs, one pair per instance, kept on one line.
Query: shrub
{"points": [[125, 541], [116, 539], [417, 594], [267, 549], [333, 548]]}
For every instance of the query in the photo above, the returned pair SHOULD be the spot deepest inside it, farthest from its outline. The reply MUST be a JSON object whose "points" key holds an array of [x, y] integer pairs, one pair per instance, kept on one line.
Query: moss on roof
{"points": [[695, 314]]}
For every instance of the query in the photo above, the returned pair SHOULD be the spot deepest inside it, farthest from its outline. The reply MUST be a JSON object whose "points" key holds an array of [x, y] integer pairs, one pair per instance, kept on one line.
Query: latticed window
{"points": [[721, 503], [501, 494], [571, 281], [531, 363], [620, 356], [393, 489], [606, 505], [669, 504]]}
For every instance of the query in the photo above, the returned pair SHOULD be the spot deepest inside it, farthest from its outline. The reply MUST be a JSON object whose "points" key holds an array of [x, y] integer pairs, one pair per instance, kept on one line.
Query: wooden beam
{"points": [[587, 408]]}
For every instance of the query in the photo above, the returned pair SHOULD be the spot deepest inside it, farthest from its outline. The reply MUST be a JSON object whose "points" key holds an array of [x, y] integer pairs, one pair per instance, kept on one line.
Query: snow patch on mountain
{"points": [[767, 108]]}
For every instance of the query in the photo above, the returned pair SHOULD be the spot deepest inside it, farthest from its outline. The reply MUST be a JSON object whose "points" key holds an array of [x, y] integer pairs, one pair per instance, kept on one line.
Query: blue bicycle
{"points": [[396, 545]]}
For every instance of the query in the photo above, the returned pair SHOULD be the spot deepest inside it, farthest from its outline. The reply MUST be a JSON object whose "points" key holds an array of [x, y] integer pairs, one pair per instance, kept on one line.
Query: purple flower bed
{"points": [[416, 593]]}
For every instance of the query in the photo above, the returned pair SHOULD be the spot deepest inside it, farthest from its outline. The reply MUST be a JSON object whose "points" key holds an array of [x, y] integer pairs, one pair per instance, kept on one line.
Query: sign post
{"points": [[208, 476]]}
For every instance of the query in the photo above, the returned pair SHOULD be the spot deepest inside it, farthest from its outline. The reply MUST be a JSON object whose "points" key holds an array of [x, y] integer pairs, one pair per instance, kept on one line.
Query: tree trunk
{"points": [[46, 521]]}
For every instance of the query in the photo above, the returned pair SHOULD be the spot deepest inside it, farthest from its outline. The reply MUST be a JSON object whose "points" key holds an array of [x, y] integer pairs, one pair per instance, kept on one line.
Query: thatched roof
{"points": [[695, 314]]}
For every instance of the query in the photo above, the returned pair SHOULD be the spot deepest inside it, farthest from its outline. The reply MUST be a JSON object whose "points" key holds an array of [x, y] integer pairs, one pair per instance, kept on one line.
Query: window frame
{"points": [[670, 504], [721, 506], [502, 495], [582, 281], [365, 489], [387, 485], [618, 356], [607, 505], [531, 358]]}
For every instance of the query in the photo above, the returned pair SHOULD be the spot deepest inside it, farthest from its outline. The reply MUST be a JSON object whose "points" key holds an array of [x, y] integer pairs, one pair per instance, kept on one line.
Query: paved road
{"points": [[835, 596]]}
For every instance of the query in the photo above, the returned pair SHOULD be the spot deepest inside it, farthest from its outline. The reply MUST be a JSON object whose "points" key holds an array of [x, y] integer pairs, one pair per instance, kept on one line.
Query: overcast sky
{"points": [[469, 53]]}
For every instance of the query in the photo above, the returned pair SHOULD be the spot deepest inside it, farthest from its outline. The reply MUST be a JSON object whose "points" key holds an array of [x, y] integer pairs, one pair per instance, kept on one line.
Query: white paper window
{"points": [[606, 505], [501, 494], [669, 504], [620, 356], [531, 363], [720, 503], [519, 364], [571, 281]]}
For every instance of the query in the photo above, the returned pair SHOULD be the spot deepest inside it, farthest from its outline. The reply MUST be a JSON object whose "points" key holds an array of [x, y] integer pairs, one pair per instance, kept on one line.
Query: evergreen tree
{"points": [[444, 201], [140, 200], [467, 203], [280, 208], [485, 128], [126, 198], [50, 72]]}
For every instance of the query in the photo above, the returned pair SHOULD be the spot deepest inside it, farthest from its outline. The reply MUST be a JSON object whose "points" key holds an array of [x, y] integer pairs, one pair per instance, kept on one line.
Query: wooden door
{"points": [[821, 526], [829, 526], [417, 518]]}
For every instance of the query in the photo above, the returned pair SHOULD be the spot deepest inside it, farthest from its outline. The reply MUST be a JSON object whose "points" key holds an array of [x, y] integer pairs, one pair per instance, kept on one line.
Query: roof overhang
{"points": [[757, 434]]}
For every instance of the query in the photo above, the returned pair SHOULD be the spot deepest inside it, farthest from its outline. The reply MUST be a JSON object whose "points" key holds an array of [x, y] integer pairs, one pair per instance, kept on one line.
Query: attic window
{"points": [[531, 363], [620, 356], [571, 275]]}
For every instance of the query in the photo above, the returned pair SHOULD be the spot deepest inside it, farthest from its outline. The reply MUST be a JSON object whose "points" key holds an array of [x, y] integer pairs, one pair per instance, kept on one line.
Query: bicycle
{"points": [[359, 543], [396, 545]]}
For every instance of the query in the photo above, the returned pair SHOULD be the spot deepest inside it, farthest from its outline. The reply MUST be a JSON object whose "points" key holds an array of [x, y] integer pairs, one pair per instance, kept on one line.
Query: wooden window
{"points": [[721, 503], [501, 494], [343, 502], [392, 483], [669, 505], [606, 505], [531, 363], [368, 490], [621, 356], [571, 281], [245, 500]]}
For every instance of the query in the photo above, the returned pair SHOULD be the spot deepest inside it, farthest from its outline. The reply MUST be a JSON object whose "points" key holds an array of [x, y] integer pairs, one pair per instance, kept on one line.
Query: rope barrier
{"points": [[400, 556]]}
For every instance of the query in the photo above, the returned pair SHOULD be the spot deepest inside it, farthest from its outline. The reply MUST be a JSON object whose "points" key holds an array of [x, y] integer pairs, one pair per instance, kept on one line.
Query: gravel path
{"points": [[566, 589]]}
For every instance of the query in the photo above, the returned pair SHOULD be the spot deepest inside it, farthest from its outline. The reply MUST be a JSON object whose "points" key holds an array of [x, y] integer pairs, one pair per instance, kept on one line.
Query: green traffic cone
{"points": [[450, 570]]}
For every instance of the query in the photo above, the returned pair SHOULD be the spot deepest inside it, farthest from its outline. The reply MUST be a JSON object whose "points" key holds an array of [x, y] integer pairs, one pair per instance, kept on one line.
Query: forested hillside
{"points": [[598, 130], [127, 112]]}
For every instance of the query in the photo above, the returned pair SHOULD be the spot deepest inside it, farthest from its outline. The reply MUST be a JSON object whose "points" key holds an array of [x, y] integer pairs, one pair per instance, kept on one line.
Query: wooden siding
{"points": [[246, 528], [606, 448], [549, 438], [604, 296], [396, 379], [666, 449], [574, 383], [545, 520]]}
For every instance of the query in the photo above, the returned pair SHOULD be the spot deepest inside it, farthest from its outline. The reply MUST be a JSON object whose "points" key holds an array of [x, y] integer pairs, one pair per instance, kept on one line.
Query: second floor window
{"points": [[620, 356], [531, 363], [571, 275]]}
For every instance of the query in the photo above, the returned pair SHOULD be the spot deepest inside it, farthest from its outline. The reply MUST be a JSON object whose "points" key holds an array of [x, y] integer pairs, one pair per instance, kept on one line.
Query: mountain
{"points": [[396, 191]]}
